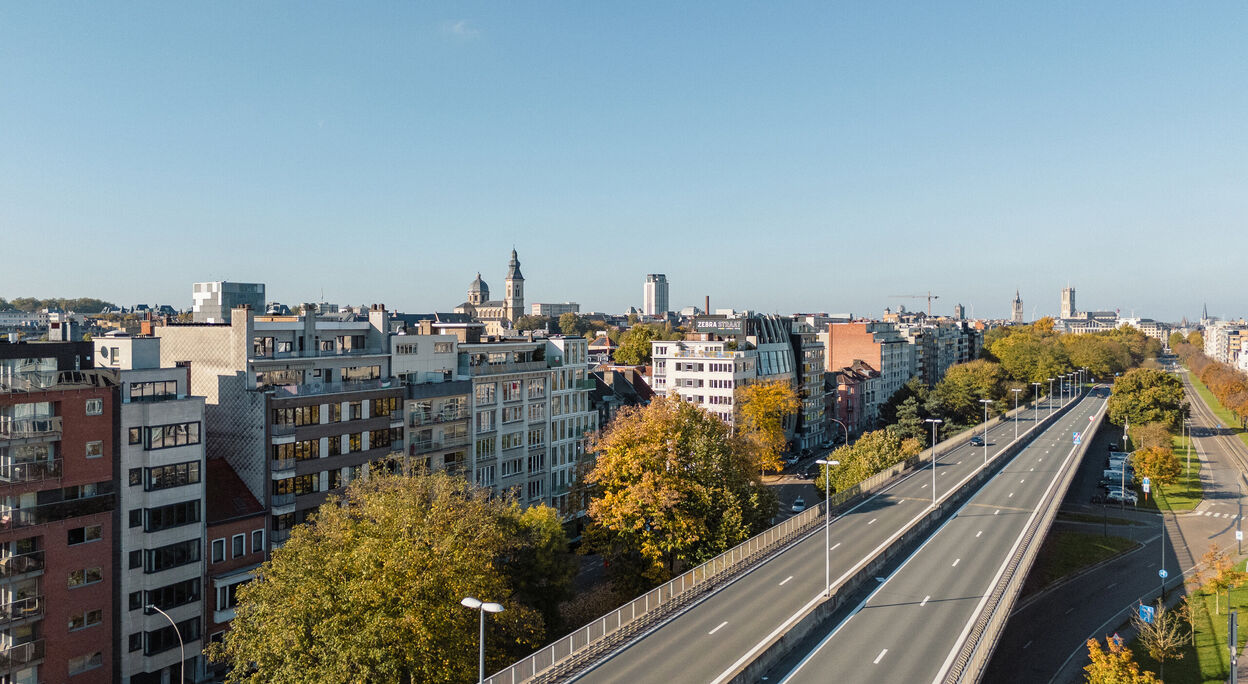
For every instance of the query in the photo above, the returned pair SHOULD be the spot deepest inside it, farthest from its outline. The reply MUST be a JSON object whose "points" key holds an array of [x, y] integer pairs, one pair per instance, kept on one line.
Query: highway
{"points": [[713, 638], [912, 626]]}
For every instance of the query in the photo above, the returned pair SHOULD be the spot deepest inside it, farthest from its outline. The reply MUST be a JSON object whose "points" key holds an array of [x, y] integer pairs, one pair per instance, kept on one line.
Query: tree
{"points": [[1151, 435], [1165, 637], [1196, 339], [635, 343], [571, 324], [671, 487], [528, 322], [956, 397], [1144, 395], [914, 388], [1115, 664], [1217, 573], [1158, 464], [1176, 338], [389, 562], [761, 408], [909, 421], [538, 562], [874, 451]]}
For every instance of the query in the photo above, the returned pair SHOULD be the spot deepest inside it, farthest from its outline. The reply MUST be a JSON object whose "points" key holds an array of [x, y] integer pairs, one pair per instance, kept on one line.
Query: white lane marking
{"points": [[997, 512], [879, 657], [923, 487], [1026, 645], [955, 563], [834, 546], [958, 463], [872, 521], [1022, 480], [978, 533], [1032, 470], [721, 626], [924, 601], [1010, 496], [1038, 460], [1068, 610], [1112, 585], [786, 580]]}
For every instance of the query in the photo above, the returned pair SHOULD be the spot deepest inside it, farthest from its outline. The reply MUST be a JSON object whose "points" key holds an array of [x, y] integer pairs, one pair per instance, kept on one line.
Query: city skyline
{"points": [[800, 158]]}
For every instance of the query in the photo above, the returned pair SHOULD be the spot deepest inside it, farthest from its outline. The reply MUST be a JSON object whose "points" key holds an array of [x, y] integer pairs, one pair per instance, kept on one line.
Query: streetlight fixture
{"points": [[1037, 386], [181, 646], [827, 523], [1016, 390], [934, 422], [1049, 399], [482, 608], [985, 402]]}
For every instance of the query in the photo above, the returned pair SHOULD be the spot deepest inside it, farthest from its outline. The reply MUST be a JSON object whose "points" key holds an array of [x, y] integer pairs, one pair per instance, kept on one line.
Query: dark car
{"points": [[977, 441]]}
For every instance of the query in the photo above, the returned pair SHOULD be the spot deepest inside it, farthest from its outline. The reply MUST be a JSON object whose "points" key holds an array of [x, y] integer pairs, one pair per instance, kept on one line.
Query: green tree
{"points": [[1196, 339], [1158, 464], [909, 421], [872, 452], [571, 324], [1176, 338], [635, 343], [914, 388], [528, 322], [389, 563], [1115, 664], [956, 397], [1144, 395], [538, 562], [761, 410], [671, 487]]}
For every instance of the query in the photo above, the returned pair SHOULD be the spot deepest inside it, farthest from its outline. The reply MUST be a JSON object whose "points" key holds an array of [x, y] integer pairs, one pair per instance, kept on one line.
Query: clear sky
{"points": [[783, 157]]}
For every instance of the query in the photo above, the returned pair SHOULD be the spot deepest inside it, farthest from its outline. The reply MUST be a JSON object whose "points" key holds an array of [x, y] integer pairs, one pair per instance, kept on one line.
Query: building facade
{"points": [[1016, 309], [654, 295], [212, 302], [555, 310], [1068, 302]]}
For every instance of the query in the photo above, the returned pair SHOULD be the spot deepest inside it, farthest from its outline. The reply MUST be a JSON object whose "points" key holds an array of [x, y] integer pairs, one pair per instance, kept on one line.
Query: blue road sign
{"points": [[1146, 614], [1162, 573]]}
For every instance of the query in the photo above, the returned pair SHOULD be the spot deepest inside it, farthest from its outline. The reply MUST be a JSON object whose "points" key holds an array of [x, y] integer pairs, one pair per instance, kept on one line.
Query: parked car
{"points": [[1119, 496], [791, 458], [977, 441], [799, 505]]}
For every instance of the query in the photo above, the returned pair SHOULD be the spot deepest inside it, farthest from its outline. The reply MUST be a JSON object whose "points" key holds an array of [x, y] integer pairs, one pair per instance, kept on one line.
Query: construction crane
{"points": [[929, 297]]}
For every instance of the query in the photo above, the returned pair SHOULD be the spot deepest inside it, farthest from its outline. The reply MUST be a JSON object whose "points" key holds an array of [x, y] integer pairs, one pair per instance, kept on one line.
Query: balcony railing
{"points": [[21, 655], [13, 566], [419, 419], [265, 353], [282, 430], [586, 384], [14, 518], [505, 367], [21, 609], [429, 446], [29, 471], [38, 381], [282, 465], [309, 389], [30, 428], [282, 500]]}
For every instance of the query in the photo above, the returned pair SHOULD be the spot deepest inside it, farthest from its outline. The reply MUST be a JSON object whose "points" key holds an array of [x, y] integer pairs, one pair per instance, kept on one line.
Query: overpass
{"points": [[747, 609]]}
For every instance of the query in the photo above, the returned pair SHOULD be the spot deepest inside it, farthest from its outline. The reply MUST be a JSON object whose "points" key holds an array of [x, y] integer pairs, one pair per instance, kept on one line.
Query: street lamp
{"points": [[181, 646], [1187, 425], [482, 608], [985, 402], [1049, 399], [827, 522], [1037, 386], [1016, 390], [934, 422]]}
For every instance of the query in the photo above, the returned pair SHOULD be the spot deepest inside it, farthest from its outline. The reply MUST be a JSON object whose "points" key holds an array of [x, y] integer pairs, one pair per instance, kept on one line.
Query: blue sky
{"points": [[776, 156]]}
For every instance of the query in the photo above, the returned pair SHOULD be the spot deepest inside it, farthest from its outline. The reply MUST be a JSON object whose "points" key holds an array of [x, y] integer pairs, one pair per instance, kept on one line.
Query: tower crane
{"points": [[929, 297]]}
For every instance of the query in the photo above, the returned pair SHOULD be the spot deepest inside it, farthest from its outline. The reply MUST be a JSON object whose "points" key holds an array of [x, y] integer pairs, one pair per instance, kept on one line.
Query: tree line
{"points": [[85, 305], [1227, 383]]}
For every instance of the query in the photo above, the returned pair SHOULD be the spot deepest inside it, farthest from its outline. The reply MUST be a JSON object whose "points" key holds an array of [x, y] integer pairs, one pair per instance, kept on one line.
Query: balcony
{"points": [[499, 368], [586, 384], [40, 381], [282, 468], [30, 429], [419, 419], [21, 655], [284, 430], [282, 504], [430, 446], [30, 608], [12, 472], [14, 567], [31, 516], [310, 389]]}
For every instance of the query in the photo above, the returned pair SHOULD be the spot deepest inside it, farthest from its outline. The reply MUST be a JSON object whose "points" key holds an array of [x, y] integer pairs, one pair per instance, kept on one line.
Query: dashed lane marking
{"points": [[721, 626], [879, 657]]}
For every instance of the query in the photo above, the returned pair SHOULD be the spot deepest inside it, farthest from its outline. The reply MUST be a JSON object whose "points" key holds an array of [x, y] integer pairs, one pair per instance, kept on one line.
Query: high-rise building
{"points": [[1068, 302], [213, 302], [1016, 309], [654, 295], [58, 500]]}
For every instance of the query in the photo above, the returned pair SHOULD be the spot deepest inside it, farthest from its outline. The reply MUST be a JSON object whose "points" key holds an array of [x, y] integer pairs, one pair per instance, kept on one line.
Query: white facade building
{"points": [[654, 295]]}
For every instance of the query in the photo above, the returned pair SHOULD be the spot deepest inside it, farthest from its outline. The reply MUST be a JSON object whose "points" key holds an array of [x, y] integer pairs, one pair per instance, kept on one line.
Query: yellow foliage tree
{"points": [[1114, 664], [761, 410]]}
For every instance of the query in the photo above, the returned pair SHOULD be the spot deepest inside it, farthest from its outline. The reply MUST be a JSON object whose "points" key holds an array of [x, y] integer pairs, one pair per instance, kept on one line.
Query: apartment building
{"points": [[236, 535], [1223, 340], [212, 302], [810, 430], [58, 515], [938, 345], [881, 346], [555, 310], [161, 503], [298, 405]]}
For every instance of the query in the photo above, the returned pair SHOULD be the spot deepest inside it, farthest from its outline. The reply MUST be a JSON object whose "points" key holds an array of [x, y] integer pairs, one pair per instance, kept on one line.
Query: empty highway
{"points": [[912, 626], [712, 639]]}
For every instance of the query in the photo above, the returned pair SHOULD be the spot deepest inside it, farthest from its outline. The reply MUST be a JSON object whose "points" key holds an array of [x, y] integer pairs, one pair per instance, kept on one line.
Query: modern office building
{"points": [[58, 515], [555, 310], [654, 295], [213, 302]]}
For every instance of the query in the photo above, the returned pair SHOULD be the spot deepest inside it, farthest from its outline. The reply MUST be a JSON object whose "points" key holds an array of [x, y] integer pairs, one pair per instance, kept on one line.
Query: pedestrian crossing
{"points": [[1212, 514]]}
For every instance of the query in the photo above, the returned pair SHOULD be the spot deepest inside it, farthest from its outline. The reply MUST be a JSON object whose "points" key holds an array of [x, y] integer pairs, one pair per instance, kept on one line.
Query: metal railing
{"points": [[430, 446], [419, 419], [497, 368], [308, 389], [29, 471], [14, 518], [21, 609], [21, 654], [27, 428], [13, 566], [282, 465], [282, 500]]}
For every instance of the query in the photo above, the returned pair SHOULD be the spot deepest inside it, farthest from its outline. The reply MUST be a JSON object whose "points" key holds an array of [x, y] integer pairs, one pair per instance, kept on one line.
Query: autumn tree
{"points": [[1144, 395], [1196, 339], [1114, 664], [1217, 573], [1165, 637], [1151, 435], [671, 487], [761, 410], [390, 562], [1176, 338], [527, 322], [956, 397], [1158, 464]]}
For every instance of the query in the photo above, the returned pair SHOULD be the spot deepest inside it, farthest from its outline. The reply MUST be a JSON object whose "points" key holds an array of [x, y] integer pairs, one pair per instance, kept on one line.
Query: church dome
{"points": [[479, 286]]}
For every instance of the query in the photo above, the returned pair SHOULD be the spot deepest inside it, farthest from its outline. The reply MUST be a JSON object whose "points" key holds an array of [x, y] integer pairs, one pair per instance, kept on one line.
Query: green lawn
{"points": [[1208, 661], [1228, 419], [1064, 553], [1184, 495]]}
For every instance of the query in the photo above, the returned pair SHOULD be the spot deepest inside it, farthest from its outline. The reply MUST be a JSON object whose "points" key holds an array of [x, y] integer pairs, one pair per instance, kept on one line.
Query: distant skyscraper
{"points": [[654, 295], [959, 313], [1068, 302], [1016, 309], [212, 302]]}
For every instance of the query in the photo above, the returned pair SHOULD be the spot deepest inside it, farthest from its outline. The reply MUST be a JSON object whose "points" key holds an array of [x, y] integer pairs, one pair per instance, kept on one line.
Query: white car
{"points": [[1118, 496], [799, 505]]}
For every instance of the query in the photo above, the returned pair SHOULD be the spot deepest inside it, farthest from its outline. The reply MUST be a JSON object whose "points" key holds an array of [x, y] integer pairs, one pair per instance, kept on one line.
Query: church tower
{"points": [[1017, 308], [513, 303]]}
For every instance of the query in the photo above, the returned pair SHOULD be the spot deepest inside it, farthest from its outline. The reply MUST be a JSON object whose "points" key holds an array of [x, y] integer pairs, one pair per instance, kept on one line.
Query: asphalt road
{"points": [[711, 639], [910, 628]]}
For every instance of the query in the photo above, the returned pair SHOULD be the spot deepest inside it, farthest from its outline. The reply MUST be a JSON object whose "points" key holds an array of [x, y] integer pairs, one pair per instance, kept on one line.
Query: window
{"points": [[301, 484], [537, 462], [238, 545], [95, 407], [176, 435], [356, 441], [136, 435], [218, 550], [537, 437], [302, 450], [355, 410], [485, 421], [171, 556], [485, 393], [513, 440], [136, 559], [136, 641], [136, 517], [83, 663], [537, 412], [257, 537], [174, 595], [303, 415], [335, 413], [485, 475], [136, 600], [136, 476], [172, 515], [82, 535], [485, 448], [405, 348], [513, 414], [442, 348], [513, 467], [383, 406], [535, 489], [153, 391], [335, 445], [176, 475], [227, 596], [95, 449], [161, 640], [537, 388], [85, 576], [511, 390], [85, 619]]}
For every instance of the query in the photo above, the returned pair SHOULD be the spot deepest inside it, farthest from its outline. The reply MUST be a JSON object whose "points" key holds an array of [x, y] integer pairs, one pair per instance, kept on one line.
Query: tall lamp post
{"points": [[1016, 390], [985, 402], [934, 422], [1049, 399], [181, 646], [1037, 386], [827, 523], [482, 608], [1187, 425]]}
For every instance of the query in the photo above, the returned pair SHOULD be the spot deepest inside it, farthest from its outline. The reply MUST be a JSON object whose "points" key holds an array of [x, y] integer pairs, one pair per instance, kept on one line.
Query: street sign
{"points": [[1239, 535], [1146, 614], [1145, 485], [1162, 573]]}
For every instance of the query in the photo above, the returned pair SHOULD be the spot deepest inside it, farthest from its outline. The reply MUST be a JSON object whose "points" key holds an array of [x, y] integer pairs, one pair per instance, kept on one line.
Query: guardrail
{"points": [[977, 650], [570, 652]]}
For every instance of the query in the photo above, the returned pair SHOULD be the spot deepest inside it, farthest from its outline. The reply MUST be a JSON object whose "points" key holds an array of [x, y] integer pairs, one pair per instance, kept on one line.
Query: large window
{"points": [[302, 450], [173, 515], [84, 576], [384, 406], [161, 640], [485, 448], [300, 484], [176, 475], [485, 421], [167, 436], [86, 662], [303, 415], [171, 556], [485, 393], [82, 535], [537, 388], [511, 390], [513, 414], [174, 595], [85, 619], [512, 440], [153, 391]]}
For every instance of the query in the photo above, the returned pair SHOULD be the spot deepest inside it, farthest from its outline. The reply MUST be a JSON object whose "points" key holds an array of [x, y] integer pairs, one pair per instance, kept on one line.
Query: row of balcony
{"points": [[29, 608], [21, 655], [15, 518], [309, 389], [15, 472], [499, 368], [269, 353], [430, 446], [14, 566], [30, 428], [419, 419]]}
